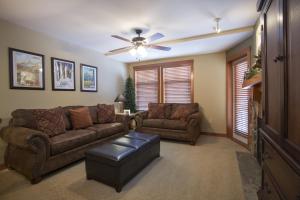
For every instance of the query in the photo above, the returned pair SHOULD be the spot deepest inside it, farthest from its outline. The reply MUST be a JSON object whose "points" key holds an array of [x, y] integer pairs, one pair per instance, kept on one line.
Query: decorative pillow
{"points": [[80, 118], [181, 112], [50, 121], [106, 113], [156, 111]]}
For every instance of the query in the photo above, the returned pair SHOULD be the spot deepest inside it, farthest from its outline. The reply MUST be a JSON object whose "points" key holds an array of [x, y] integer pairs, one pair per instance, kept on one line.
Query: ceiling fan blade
{"points": [[153, 46], [118, 51], [155, 36], [121, 38]]}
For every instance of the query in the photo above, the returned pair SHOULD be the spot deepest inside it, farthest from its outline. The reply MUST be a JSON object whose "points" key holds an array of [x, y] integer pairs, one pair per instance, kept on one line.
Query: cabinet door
{"points": [[292, 138], [269, 192], [273, 69]]}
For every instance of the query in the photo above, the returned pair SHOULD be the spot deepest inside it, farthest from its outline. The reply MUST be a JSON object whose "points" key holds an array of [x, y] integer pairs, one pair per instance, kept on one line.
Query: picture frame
{"points": [[26, 70], [126, 111], [88, 78], [63, 74]]}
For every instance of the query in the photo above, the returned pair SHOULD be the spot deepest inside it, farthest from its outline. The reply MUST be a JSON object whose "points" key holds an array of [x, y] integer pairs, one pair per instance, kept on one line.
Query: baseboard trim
{"points": [[240, 143], [214, 134], [2, 167]]}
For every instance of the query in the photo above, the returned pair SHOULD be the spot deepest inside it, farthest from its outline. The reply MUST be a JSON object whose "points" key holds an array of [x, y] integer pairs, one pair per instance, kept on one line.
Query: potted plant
{"points": [[130, 95], [256, 67]]}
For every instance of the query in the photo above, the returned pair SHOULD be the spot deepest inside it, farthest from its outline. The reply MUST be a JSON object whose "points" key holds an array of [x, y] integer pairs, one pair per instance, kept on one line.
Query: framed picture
{"points": [[127, 112], [88, 78], [63, 74], [26, 70]]}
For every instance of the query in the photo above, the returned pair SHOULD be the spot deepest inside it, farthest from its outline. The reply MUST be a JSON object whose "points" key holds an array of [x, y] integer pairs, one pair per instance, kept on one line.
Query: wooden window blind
{"points": [[177, 84], [146, 86], [241, 98], [170, 82]]}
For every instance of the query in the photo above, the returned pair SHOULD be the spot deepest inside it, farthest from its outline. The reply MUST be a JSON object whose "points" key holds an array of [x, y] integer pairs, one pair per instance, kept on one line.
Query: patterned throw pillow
{"points": [[80, 118], [50, 121], [156, 111], [182, 112], [106, 113]]}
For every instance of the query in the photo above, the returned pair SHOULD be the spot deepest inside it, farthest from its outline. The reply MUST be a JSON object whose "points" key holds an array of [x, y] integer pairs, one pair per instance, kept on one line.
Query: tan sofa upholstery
{"points": [[34, 153], [187, 129]]}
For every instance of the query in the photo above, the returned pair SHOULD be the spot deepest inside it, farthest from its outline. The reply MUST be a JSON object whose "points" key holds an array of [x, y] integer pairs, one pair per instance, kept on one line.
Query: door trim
{"points": [[229, 91]]}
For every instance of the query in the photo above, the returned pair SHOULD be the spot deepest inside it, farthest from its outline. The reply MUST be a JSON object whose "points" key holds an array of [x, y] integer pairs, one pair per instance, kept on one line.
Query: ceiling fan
{"points": [[139, 44]]}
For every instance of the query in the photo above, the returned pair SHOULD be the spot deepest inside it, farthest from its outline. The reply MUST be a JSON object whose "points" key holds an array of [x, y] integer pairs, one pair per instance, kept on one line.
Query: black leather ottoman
{"points": [[116, 162]]}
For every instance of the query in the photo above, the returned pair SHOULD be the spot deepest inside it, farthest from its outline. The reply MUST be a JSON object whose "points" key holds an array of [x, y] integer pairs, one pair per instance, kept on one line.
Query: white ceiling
{"points": [[89, 23]]}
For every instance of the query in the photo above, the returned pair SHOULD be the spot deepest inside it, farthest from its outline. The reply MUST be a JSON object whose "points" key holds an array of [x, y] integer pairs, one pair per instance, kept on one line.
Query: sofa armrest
{"points": [[26, 138], [193, 126], [196, 116], [139, 117]]}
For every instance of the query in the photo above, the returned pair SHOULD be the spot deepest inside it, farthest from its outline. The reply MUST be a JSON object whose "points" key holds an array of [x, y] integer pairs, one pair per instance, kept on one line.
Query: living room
{"points": [[149, 100]]}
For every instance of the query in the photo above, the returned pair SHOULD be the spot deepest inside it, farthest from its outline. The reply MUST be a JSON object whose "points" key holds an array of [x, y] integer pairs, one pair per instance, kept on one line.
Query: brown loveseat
{"points": [[33, 153], [171, 121]]}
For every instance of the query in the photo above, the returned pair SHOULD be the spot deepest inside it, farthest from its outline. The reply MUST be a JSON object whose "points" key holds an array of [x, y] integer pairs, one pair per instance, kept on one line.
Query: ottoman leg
{"points": [[118, 188]]}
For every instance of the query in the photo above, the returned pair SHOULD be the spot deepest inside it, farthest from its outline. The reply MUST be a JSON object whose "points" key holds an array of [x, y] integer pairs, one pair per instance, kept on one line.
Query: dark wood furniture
{"points": [[116, 162], [280, 127]]}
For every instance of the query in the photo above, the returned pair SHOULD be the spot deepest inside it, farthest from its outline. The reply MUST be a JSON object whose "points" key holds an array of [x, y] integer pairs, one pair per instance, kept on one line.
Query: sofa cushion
{"points": [[158, 123], [67, 117], [50, 121], [81, 118], [106, 113], [158, 110], [165, 124], [70, 140], [94, 113], [106, 130], [24, 118], [182, 111], [174, 124]]}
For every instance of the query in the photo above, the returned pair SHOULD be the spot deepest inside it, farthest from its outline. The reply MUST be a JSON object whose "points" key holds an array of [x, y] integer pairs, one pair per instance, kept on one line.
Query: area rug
{"points": [[207, 171], [250, 174]]}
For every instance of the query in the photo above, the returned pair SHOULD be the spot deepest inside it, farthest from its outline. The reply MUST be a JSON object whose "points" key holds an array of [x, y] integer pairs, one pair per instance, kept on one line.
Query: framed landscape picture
{"points": [[63, 74], [26, 70], [88, 78]]}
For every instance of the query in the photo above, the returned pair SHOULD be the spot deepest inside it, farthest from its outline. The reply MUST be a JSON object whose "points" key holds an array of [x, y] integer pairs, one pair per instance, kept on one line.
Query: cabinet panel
{"points": [[285, 177], [273, 67], [293, 41], [269, 192]]}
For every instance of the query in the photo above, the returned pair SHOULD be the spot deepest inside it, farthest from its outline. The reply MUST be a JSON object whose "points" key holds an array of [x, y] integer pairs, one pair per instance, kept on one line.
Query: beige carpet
{"points": [[207, 171]]}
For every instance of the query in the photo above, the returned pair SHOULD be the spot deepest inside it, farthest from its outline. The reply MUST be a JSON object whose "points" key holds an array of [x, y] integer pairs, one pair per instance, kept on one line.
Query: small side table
{"points": [[131, 118]]}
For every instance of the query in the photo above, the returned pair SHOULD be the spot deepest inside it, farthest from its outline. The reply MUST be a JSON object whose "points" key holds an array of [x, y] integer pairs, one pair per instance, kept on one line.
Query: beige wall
{"points": [[111, 74], [253, 42], [209, 88]]}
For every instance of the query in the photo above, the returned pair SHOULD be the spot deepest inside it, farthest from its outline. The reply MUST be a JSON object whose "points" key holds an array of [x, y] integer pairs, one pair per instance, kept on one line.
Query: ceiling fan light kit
{"points": [[139, 45], [139, 52]]}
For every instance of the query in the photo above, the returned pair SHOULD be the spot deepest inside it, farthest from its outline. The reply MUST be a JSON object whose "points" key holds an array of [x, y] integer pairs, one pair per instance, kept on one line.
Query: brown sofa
{"points": [[186, 129], [34, 153]]}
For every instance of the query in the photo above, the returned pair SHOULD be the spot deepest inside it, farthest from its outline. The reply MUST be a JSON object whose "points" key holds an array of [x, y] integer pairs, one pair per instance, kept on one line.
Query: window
{"points": [[164, 83], [177, 85], [146, 86], [241, 98]]}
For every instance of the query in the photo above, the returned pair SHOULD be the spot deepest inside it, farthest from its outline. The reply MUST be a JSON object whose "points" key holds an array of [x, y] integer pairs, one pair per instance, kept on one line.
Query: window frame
{"points": [[148, 68], [230, 58], [235, 130], [160, 66]]}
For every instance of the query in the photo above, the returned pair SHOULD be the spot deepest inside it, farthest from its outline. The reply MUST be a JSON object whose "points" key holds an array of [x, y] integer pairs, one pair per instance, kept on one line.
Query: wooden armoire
{"points": [[280, 123]]}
